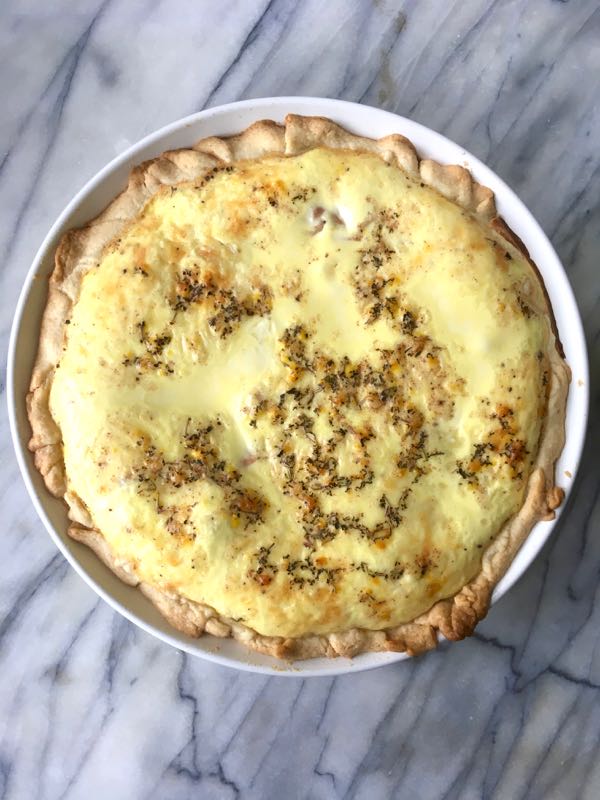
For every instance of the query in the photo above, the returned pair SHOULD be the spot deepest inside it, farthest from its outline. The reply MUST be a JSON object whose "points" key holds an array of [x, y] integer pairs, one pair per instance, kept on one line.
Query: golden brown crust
{"points": [[304, 133], [262, 138], [80, 250], [457, 184]]}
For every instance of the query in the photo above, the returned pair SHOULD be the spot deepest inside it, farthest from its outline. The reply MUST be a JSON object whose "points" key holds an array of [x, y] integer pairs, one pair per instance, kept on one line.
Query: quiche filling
{"points": [[306, 391]]}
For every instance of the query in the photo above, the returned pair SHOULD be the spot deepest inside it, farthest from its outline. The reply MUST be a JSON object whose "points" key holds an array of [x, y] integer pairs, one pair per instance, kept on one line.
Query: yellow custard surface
{"points": [[305, 391]]}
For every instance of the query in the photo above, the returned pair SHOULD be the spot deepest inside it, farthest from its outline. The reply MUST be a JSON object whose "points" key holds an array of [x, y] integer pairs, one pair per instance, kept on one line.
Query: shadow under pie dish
{"points": [[303, 389]]}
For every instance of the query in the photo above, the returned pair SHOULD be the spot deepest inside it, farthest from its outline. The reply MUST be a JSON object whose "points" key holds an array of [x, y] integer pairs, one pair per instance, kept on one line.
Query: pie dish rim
{"points": [[281, 105]]}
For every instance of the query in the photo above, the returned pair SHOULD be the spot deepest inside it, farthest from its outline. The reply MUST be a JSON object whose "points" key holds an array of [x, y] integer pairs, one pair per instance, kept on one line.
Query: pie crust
{"points": [[80, 250]]}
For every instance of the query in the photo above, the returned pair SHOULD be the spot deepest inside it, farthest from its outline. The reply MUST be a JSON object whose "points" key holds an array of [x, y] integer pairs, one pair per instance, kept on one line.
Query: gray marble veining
{"points": [[91, 707]]}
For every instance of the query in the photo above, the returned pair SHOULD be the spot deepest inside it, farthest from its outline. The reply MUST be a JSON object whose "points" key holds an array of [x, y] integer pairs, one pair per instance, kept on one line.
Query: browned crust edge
{"points": [[80, 250]]}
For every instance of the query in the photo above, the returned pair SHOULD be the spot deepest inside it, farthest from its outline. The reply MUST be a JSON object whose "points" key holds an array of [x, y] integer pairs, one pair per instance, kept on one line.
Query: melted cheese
{"points": [[306, 391]]}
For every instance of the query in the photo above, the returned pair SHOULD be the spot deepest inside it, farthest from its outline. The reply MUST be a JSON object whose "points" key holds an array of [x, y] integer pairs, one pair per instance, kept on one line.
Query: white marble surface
{"points": [[91, 707]]}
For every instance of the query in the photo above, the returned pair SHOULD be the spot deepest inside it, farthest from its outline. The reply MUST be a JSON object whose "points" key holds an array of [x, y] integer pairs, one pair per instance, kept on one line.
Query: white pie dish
{"points": [[227, 120]]}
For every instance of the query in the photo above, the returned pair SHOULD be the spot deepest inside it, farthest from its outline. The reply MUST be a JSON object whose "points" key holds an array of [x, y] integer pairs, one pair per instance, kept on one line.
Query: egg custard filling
{"points": [[299, 397]]}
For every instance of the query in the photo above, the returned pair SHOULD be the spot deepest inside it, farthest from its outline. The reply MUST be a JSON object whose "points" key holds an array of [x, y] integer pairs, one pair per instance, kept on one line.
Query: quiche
{"points": [[302, 388]]}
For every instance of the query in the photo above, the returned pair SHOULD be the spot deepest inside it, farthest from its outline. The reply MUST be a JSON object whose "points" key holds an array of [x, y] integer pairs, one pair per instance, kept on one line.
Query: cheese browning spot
{"points": [[155, 475], [227, 307], [502, 450]]}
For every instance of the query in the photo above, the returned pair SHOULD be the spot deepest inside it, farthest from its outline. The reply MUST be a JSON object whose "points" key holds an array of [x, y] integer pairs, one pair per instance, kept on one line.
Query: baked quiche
{"points": [[303, 389]]}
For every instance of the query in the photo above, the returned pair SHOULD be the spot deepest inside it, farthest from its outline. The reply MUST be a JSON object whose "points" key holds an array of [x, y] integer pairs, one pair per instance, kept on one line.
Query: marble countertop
{"points": [[92, 707]]}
